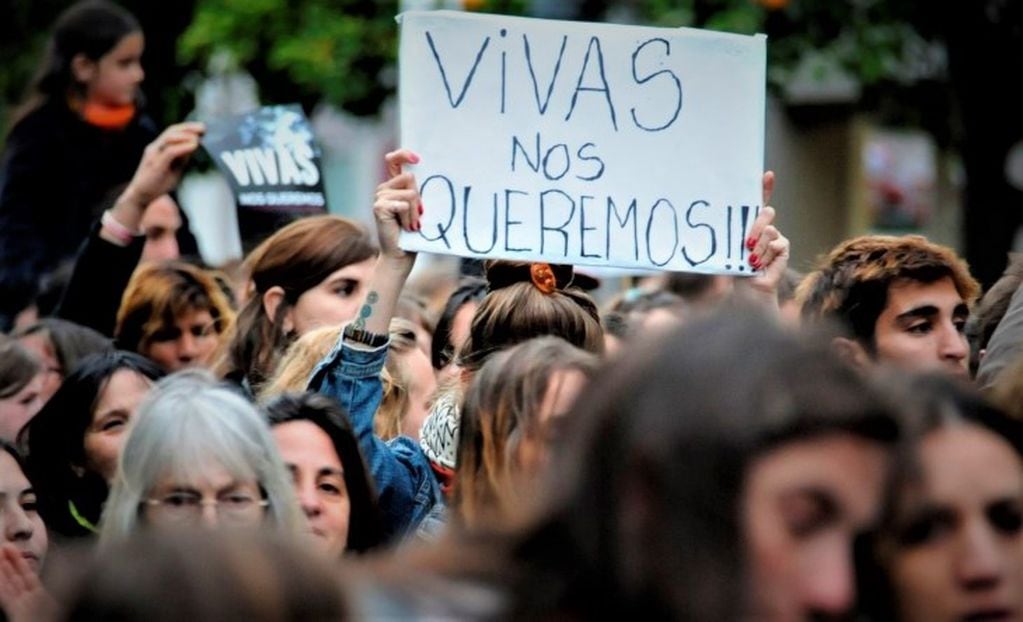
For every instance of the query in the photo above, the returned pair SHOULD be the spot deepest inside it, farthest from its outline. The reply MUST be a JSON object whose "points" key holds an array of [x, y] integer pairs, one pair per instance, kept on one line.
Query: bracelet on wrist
{"points": [[364, 337], [117, 230]]}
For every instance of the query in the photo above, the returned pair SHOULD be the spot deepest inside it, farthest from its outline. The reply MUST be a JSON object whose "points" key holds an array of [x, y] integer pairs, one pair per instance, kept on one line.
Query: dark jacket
{"points": [[100, 276], [57, 173]]}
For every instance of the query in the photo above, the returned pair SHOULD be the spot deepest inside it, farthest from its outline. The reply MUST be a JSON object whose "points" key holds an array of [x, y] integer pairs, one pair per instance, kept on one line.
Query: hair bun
{"points": [[548, 278]]}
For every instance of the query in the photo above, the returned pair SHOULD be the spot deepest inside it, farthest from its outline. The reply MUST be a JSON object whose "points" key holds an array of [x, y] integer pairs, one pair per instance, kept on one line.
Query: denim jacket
{"points": [[405, 483]]}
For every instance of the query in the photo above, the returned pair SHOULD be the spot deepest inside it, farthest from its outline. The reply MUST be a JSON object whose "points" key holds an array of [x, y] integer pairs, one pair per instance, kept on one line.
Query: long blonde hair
{"points": [[397, 380], [298, 362], [302, 357]]}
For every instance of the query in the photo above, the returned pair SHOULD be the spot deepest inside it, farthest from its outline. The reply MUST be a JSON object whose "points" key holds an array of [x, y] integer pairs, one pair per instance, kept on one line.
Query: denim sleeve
{"points": [[404, 480]]}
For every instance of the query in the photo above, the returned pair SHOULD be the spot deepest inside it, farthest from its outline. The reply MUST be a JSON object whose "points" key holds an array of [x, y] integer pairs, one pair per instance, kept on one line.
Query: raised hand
{"points": [[769, 249], [158, 173], [397, 205], [164, 160]]}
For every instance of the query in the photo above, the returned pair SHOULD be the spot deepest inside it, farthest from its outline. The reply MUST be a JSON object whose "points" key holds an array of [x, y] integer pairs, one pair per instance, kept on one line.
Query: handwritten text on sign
{"points": [[583, 143]]}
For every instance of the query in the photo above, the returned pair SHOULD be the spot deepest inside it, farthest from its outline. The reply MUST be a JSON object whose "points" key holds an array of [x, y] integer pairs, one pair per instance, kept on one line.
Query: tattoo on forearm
{"points": [[366, 311]]}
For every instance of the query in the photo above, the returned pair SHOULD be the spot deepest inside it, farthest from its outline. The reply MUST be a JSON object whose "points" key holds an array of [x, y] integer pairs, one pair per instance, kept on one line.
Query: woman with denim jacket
{"points": [[350, 373]]}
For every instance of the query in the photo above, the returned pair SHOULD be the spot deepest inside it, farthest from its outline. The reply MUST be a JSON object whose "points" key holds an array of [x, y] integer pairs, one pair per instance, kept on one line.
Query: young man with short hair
{"points": [[902, 300]]}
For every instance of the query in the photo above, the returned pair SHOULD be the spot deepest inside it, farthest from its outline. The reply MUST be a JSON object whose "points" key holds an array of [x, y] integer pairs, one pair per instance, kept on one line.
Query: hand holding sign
{"points": [[271, 161], [163, 161], [397, 204], [396, 209], [769, 249], [158, 173]]}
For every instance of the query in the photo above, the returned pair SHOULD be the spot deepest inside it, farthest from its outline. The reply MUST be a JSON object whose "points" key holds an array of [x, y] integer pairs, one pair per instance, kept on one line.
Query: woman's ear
{"points": [[272, 301], [82, 68]]}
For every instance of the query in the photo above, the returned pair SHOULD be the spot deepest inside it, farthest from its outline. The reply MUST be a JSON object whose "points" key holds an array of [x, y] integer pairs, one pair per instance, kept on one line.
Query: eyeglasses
{"points": [[235, 507]]}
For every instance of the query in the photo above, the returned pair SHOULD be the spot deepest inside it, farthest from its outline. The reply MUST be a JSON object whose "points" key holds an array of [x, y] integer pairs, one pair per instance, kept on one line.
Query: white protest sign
{"points": [[579, 143]]}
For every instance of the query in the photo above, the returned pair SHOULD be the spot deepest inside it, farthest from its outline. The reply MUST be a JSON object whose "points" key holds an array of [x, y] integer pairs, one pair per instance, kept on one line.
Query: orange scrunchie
{"points": [[543, 277]]}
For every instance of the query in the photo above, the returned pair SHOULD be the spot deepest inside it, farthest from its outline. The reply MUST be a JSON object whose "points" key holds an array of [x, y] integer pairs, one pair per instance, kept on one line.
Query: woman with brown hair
{"points": [[174, 314], [527, 300], [21, 384], [311, 273], [524, 301], [949, 545], [73, 445], [516, 406], [534, 300], [60, 345]]}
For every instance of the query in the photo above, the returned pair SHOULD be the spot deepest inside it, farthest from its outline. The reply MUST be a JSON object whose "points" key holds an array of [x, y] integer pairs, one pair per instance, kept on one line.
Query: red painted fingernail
{"points": [[419, 226], [420, 209], [753, 259], [750, 243], [413, 158]]}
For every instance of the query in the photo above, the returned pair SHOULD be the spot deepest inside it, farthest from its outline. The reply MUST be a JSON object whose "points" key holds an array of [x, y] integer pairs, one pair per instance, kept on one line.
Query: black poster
{"points": [[272, 164]]}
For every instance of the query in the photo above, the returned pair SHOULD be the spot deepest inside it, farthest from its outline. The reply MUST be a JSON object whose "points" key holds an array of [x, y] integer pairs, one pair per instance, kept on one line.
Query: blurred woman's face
{"points": [[115, 408], [804, 503], [52, 374], [189, 342], [17, 409], [22, 526], [958, 543], [319, 480], [333, 301], [563, 387]]}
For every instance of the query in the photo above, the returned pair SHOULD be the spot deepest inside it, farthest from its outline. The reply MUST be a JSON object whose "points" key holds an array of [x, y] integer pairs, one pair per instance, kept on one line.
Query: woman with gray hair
{"points": [[199, 454]]}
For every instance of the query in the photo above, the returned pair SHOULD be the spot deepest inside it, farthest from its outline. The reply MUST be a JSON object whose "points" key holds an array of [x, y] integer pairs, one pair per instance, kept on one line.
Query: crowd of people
{"points": [[316, 435]]}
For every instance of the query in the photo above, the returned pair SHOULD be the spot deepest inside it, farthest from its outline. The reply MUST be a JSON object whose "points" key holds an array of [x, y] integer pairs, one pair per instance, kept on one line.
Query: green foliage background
{"points": [[343, 51]]}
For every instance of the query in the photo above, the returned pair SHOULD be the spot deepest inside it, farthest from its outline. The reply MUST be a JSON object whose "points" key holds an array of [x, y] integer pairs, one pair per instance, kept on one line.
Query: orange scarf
{"points": [[108, 117]]}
